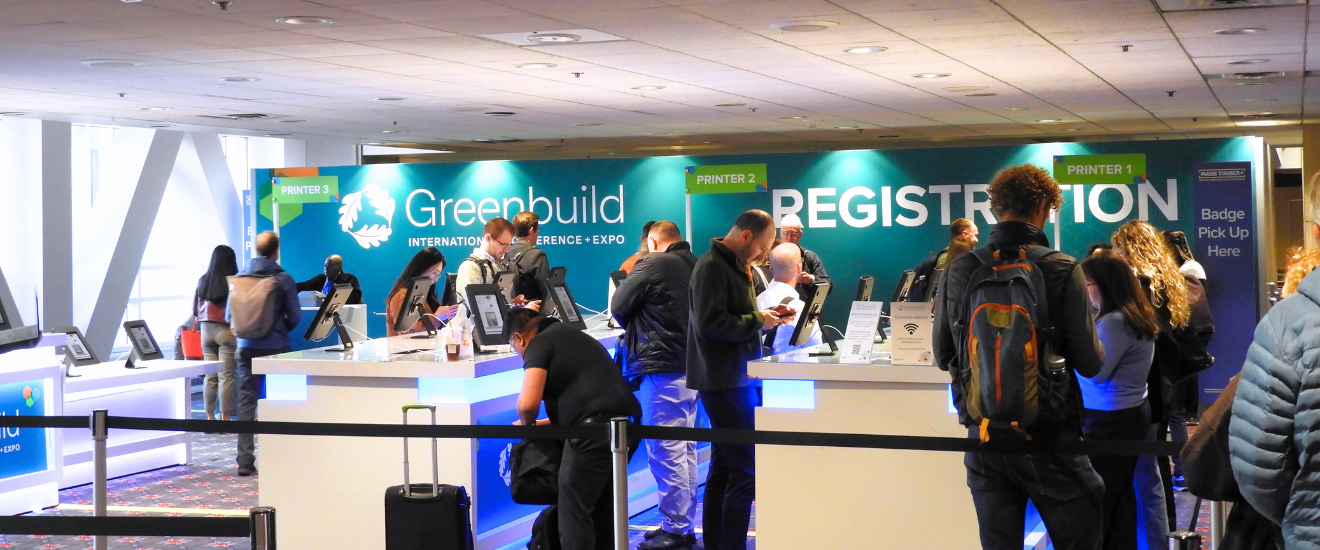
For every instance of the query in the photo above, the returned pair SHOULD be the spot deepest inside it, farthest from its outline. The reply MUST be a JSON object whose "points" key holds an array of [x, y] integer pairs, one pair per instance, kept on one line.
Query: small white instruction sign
{"points": [[857, 341], [911, 334]]}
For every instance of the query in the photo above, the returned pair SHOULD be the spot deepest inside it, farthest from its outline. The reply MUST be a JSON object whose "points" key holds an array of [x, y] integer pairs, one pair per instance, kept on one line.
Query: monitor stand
{"points": [[426, 322], [131, 362], [68, 369], [825, 334], [346, 341]]}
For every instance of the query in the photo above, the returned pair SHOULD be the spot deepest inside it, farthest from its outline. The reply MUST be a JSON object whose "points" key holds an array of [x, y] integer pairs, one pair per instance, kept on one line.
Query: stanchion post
{"points": [[1184, 540], [263, 528], [1218, 522], [619, 450], [99, 473]]}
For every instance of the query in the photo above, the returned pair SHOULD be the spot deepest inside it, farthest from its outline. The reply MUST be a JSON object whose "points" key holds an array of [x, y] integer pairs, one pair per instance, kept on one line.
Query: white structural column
{"points": [[221, 184], [57, 223], [127, 257]]}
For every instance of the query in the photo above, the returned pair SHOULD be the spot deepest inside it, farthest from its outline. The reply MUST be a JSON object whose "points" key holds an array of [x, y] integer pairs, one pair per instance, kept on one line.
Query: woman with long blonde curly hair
{"points": [[1146, 251]]}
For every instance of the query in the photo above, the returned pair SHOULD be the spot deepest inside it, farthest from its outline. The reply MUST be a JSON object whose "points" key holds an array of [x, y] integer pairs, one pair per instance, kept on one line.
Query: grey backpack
{"points": [[253, 305]]}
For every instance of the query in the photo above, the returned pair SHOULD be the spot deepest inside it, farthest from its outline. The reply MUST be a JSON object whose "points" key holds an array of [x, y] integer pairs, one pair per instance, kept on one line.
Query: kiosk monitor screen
{"points": [[413, 308], [144, 345], [324, 322], [558, 273], [864, 287], [75, 347], [564, 304], [4, 319], [810, 316], [488, 308], [904, 284]]}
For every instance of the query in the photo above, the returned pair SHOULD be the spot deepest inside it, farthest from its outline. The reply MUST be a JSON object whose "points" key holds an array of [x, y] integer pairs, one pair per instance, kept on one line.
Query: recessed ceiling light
{"points": [[1256, 83], [553, 38], [112, 63], [1240, 31], [387, 98], [499, 113], [13, 113], [161, 126], [648, 87], [292, 120], [964, 89], [1048, 120], [658, 134], [730, 104], [1260, 100], [1248, 61], [983, 94], [1017, 108], [866, 49], [804, 26], [798, 117], [845, 127], [393, 131], [276, 135], [305, 20], [930, 75], [1261, 122], [1072, 129], [536, 66], [587, 124], [156, 109], [240, 79], [130, 1]]}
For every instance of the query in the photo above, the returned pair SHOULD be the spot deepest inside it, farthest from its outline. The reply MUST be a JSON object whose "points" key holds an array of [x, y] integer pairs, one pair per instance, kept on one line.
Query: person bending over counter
{"points": [[785, 267], [528, 262], [334, 275], [724, 333], [813, 269], [427, 262], [580, 384]]}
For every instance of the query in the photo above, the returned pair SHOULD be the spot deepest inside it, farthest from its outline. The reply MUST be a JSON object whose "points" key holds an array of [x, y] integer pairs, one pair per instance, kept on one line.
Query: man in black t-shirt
{"points": [[580, 384]]}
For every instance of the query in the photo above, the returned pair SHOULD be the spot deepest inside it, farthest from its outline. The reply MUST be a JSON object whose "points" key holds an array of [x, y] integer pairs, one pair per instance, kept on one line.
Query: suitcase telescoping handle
{"points": [[435, 453]]}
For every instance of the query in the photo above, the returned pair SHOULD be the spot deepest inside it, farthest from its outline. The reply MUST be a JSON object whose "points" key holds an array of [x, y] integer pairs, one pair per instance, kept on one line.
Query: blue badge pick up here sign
{"points": [[22, 450], [1225, 244]]}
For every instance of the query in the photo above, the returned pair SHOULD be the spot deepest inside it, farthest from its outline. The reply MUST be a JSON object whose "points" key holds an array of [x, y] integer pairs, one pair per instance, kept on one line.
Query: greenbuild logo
{"points": [[27, 396], [366, 234]]}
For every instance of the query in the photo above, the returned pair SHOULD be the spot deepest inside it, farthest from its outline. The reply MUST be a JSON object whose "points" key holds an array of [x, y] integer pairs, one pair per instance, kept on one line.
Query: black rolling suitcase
{"points": [[427, 516]]}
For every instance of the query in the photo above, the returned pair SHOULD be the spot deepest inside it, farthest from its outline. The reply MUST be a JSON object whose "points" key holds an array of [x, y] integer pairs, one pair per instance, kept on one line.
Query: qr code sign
{"points": [[857, 349]]}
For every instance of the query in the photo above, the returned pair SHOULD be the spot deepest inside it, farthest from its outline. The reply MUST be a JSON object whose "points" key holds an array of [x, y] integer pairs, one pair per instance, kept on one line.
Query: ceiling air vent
{"points": [[242, 116], [1269, 75], [1195, 5], [552, 38]]}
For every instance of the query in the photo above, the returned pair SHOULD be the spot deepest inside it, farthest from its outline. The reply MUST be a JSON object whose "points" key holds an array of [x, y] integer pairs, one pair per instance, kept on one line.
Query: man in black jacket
{"points": [[925, 271], [1065, 488], [652, 307], [724, 332], [527, 260], [334, 275]]}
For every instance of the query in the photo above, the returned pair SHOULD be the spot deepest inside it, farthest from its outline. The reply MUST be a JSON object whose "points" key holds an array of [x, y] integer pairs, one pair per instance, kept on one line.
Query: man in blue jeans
{"points": [[276, 341]]}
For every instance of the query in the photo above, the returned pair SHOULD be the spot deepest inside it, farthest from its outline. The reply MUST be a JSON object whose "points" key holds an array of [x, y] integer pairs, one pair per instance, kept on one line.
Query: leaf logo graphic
{"points": [[368, 235]]}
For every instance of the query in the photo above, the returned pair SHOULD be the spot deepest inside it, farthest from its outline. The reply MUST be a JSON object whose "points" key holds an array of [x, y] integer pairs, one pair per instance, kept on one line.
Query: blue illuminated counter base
{"points": [[858, 498], [29, 457], [330, 490]]}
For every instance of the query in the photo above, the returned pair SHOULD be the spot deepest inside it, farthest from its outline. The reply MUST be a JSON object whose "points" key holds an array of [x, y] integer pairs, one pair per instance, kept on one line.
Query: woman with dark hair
{"points": [[1182, 255], [1114, 400], [218, 343], [427, 262]]}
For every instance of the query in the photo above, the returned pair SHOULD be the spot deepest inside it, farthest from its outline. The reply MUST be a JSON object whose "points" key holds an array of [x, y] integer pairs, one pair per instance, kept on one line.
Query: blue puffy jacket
{"points": [[1274, 434]]}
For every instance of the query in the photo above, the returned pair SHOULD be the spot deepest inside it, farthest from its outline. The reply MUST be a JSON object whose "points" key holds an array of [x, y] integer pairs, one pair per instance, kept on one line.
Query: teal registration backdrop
{"points": [[867, 212]]}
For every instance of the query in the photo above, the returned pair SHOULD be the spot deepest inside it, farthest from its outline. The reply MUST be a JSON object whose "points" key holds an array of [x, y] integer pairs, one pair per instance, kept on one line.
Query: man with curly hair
{"points": [[1065, 489]]}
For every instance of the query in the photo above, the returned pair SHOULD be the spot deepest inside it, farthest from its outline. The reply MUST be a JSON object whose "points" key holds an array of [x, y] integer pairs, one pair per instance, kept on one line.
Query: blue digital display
{"points": [[22, 450]]}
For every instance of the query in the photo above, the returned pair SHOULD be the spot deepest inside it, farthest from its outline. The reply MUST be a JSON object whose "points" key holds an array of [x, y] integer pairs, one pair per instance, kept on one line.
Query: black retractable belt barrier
{"points": [[635, 432], [137, 526]]}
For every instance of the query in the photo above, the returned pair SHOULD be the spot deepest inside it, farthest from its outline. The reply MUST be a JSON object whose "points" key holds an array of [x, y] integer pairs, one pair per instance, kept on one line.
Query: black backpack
{"points": [[1009, 379], [525, 283], [545, 530]]}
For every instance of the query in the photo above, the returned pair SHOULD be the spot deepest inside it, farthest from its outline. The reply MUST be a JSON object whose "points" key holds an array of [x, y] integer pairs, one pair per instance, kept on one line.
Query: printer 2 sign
{"points": [[22, 450]]}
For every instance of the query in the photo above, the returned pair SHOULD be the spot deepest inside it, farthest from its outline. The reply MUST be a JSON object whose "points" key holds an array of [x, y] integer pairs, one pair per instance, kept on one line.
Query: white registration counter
{"points": [[158, 390], [29, 457], [819, 497], [330, 490]]}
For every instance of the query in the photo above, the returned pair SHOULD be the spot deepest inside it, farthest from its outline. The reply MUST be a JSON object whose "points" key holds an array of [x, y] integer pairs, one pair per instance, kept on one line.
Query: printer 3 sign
{"points": [[368, 231], [22, 450]]}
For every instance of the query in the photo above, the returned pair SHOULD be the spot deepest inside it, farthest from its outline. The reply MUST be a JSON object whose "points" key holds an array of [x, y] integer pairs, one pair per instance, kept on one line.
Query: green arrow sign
{"points": [[305, 189], [1093, 169], [727, 178]]}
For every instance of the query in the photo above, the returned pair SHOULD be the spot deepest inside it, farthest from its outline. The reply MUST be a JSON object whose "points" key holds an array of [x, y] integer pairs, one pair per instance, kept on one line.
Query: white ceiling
{"points": [[1062, 59]]}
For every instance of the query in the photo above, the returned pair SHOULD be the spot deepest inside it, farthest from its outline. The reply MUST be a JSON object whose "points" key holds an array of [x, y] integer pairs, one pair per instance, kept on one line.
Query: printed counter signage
{"points": [[729, 178], [306, 189], [1096, 169], [22, 450]]}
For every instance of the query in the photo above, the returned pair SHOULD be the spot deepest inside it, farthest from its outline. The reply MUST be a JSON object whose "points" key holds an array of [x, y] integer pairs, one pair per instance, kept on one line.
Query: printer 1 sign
{"points": [[22, 450]]}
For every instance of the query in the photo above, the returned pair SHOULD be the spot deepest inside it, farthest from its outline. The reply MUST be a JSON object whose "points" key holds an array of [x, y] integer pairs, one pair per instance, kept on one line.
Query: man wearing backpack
{"points": [[528, 262], [487, 260], [262, 309], [991, 335]]}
